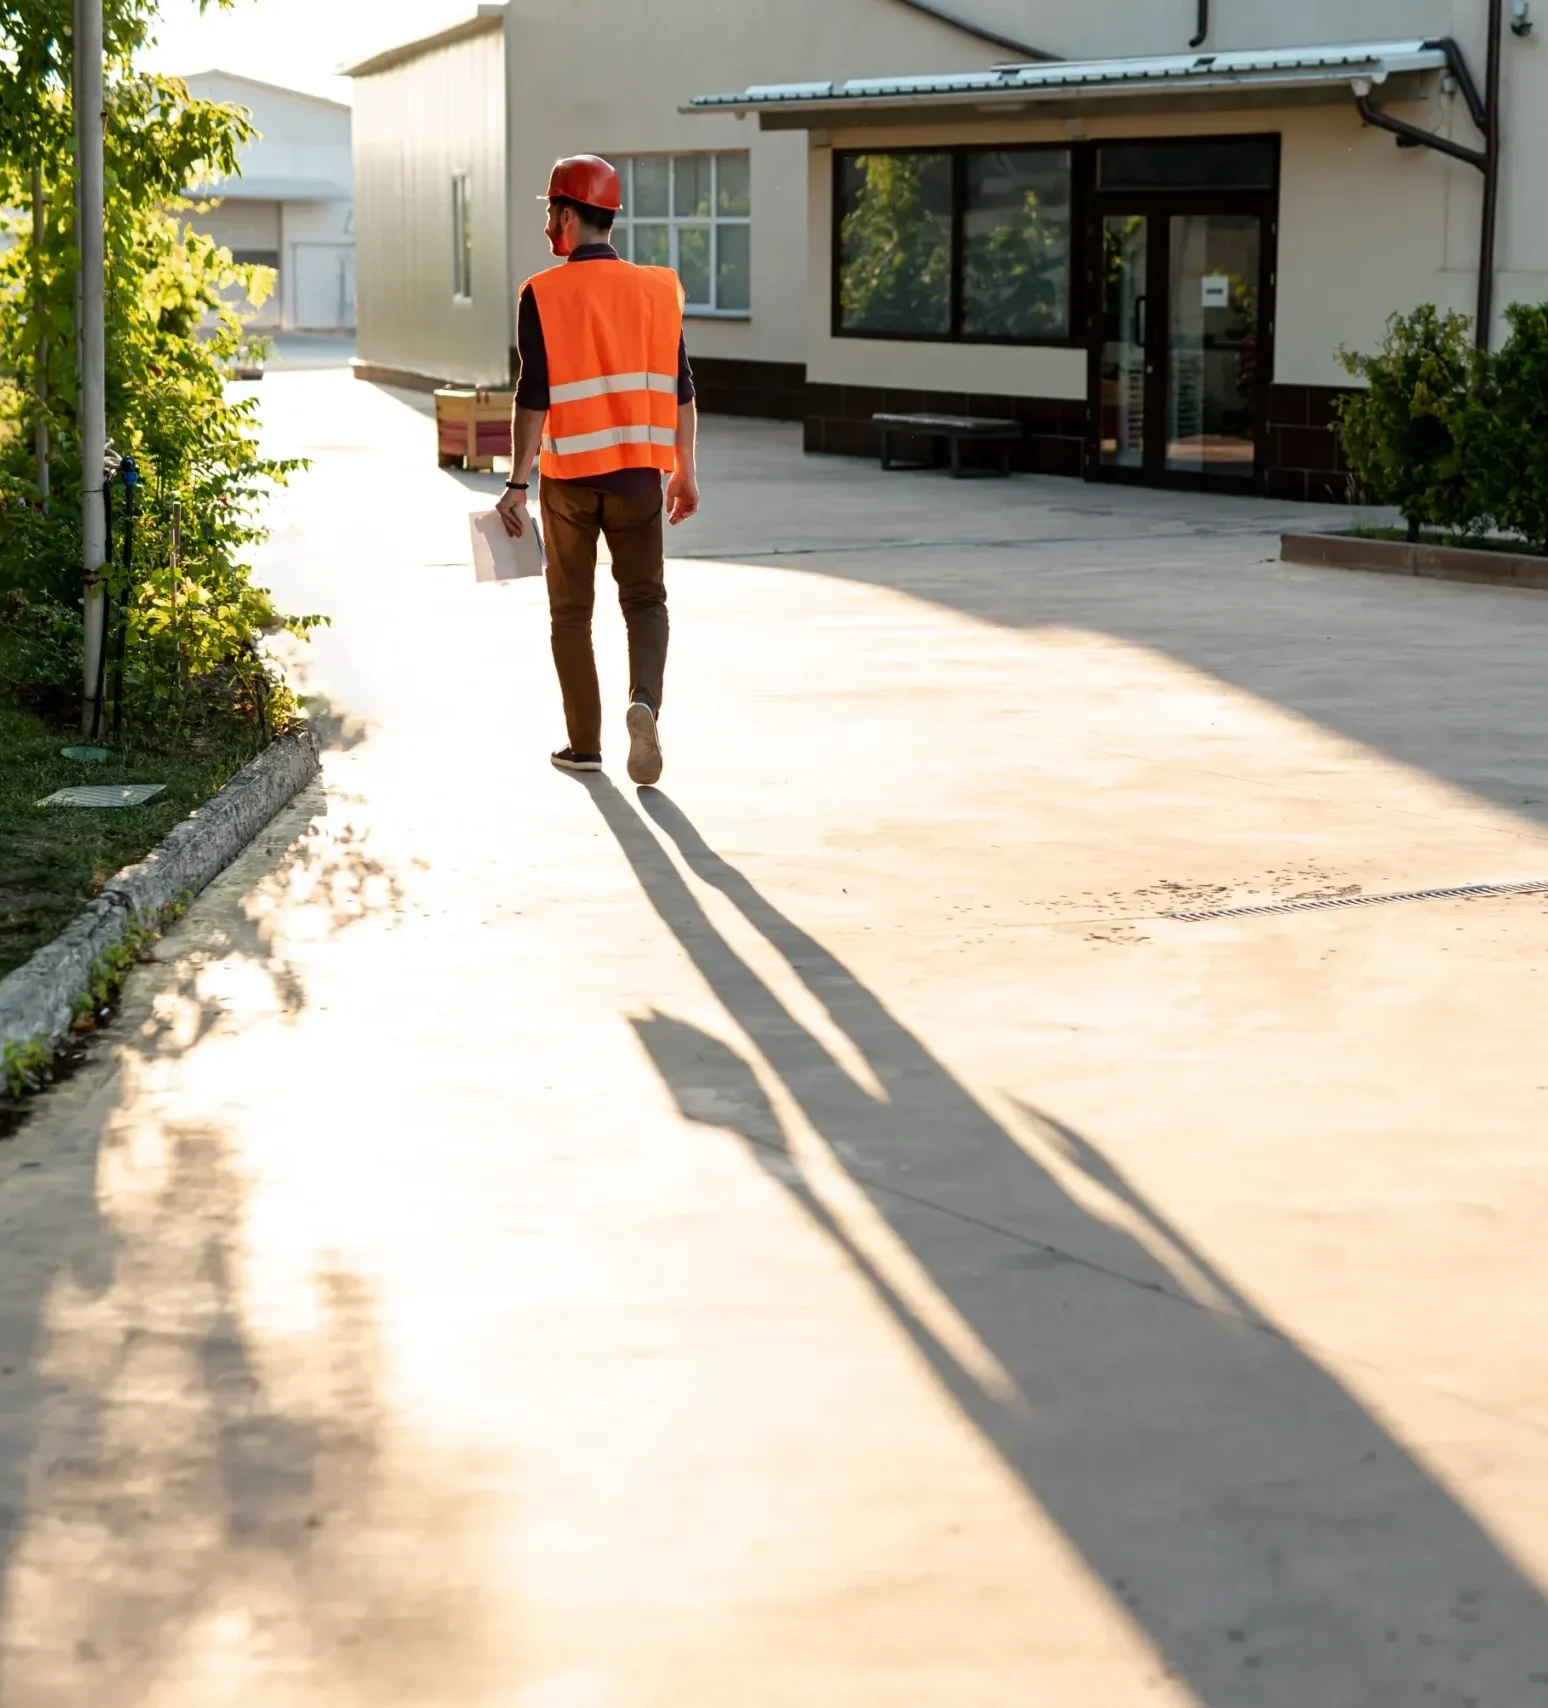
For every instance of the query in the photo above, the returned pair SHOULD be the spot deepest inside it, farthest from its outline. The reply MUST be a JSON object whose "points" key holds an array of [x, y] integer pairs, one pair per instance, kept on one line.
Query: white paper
{"points": [[1217, 290], [497, 557]]}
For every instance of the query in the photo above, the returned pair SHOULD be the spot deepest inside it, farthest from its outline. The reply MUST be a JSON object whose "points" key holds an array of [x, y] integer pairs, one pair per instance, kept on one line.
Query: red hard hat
{"points": [[586, 178]]}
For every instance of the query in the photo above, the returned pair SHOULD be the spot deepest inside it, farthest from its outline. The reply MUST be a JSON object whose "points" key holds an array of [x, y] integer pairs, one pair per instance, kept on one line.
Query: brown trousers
{"points": [[573, 516]]}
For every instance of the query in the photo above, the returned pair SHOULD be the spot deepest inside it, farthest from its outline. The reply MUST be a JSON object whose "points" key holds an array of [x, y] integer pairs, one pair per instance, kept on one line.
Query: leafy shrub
{"points": [[1506, 439], [1403, 436]]}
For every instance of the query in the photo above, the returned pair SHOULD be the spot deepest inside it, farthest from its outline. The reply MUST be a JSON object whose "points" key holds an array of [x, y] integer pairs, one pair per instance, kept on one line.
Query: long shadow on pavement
{"points": [[1448, 680], [1277, 1544]]}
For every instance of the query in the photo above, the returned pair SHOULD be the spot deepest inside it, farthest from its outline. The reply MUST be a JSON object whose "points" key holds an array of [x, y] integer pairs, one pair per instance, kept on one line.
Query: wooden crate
{"points": [[472, 427]]}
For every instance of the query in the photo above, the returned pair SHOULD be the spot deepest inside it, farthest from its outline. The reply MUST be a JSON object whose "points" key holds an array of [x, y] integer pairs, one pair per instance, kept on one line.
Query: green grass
{"points": [[1430, 537], [53, 860]]}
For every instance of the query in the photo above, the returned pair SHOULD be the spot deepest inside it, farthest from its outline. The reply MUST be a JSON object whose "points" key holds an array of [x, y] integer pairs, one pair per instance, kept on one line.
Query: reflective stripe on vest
{"points": [[578, 444], [611, 331], [578, 390]]}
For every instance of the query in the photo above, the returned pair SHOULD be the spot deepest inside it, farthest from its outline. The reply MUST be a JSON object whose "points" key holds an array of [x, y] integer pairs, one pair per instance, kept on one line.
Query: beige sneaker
{"points": [[644, 745]]}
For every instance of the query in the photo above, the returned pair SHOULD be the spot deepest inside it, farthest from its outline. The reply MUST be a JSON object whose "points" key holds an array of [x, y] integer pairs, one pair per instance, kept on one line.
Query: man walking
{"points": [[605, 388]]}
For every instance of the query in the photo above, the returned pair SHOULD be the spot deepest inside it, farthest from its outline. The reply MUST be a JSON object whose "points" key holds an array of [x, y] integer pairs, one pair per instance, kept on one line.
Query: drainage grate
{"points": [[1461, 890], [104, 795]]}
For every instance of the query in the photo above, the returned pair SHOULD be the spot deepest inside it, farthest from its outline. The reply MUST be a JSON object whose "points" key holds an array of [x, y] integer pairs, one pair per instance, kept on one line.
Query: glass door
{"points": [[1179, 348], [1126, 369], [1212, 345]]}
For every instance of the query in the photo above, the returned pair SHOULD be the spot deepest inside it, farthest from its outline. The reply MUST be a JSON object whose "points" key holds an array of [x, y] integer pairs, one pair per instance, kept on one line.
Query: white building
{"points": [[292, 206], [1145, 233]]}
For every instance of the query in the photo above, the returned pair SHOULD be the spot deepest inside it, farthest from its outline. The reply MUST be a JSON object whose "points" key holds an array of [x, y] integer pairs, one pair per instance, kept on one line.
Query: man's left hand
{"points": [[682, 496], [512, 511]]}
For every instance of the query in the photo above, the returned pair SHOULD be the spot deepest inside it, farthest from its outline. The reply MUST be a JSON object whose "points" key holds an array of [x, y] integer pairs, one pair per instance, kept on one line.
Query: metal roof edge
{"points": [[271, 88], [1312, 64], [488, 19]]}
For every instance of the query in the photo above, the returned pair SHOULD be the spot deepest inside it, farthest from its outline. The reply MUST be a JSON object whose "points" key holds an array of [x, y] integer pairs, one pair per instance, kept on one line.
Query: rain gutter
{"points": [[1485, 113], [945, 15]]}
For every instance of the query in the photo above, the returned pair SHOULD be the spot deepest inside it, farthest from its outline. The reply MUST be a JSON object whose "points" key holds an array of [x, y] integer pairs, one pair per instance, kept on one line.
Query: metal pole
{"points": [[40, 362], [129, 473], [86, 77], [1484, 328], [177, 561], [96, 729]]}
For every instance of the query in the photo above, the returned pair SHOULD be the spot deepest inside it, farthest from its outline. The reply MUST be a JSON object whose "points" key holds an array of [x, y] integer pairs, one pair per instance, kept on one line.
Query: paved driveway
{"points": [[822, 1231]]}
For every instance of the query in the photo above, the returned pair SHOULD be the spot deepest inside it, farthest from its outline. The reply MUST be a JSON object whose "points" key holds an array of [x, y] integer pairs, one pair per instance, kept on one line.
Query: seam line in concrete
{"points": [[1029, 1243]]}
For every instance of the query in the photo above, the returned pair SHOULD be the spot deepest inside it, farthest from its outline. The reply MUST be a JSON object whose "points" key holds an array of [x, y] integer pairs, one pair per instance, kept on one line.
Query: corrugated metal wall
{"points": [[417, 127]]}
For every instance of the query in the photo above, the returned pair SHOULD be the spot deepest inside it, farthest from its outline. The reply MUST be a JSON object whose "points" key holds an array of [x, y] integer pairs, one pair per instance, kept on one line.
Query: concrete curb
{"points": [[37, 1001], [1431, 563]]}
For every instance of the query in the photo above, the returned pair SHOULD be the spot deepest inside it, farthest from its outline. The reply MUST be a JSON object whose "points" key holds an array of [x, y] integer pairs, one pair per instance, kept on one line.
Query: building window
{"points": [[1229, 163], [970, 244], [462, 237], [895, 226], [691, 212]]}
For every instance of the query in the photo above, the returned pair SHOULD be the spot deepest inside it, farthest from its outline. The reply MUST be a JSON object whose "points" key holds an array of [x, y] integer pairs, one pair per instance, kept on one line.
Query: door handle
{"points": [[1140, 322]]}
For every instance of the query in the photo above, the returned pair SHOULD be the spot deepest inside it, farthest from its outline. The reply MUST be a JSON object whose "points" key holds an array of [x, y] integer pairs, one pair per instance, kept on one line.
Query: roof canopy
{"points": [[269, 190], [1269, 76]]}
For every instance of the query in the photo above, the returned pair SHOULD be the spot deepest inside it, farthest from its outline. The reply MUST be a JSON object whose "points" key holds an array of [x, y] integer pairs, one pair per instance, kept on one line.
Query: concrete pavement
{"points": [[817, 1232]]}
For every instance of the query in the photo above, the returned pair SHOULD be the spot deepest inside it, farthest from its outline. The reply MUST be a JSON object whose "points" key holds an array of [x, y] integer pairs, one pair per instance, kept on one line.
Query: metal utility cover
{"points": [[94, 755], [104, 795]]}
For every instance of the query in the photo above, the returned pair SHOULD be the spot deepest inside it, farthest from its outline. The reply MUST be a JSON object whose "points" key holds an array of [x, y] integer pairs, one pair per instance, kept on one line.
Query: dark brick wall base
{"points": [[776, 391], [838, 420], [1306, 461]]}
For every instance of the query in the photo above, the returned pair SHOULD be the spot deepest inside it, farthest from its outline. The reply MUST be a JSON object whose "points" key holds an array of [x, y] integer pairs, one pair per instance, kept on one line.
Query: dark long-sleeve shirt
{"points": [[532, 375]]}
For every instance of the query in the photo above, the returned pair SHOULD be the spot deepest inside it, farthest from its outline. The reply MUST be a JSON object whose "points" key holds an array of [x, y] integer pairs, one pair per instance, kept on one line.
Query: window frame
{"points": [[462, 236], [675, 222], [1273, 141], [1075, 333]]}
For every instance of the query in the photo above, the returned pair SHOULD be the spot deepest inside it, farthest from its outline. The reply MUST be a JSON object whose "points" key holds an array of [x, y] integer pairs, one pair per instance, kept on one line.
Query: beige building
{"points": [[292, 205], [1145, 231]]}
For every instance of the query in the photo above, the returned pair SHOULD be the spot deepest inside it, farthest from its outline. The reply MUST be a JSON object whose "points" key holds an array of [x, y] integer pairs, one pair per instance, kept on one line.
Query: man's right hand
{"points": [[512, 510]]}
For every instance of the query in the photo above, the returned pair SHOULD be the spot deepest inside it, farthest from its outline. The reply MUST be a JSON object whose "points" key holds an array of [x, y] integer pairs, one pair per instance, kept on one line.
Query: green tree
{"points": [[196, 639]]}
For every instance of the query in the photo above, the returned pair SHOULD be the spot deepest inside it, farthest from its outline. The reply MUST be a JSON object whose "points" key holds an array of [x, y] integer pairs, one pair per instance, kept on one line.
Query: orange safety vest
{"points": [[611, 331]]}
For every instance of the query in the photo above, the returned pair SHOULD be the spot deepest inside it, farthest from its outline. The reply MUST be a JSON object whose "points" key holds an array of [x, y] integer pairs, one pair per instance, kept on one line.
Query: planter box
{"points": [[472, 428], [1395, 557]]}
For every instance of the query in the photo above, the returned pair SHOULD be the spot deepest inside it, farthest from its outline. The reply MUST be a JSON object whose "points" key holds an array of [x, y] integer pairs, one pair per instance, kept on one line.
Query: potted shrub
{"points": [[1405, 437]]}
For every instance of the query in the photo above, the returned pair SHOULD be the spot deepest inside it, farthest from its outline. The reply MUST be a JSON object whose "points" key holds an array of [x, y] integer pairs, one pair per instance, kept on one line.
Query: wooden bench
{"points": [[955, 429], [472, 427]]}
